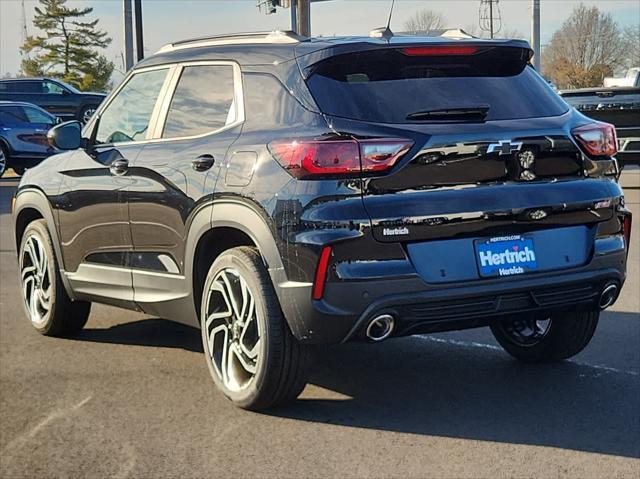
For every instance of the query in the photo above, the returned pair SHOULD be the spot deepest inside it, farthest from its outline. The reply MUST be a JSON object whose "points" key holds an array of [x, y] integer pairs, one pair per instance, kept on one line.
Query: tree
{"points": [[424, 21], [588, 47], [632, 46], [68, 48]]}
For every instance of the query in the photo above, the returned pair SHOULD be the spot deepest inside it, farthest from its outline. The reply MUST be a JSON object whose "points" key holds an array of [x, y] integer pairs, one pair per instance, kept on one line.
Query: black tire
{"points": [[63, 316], [85, 113], [281, 363], [565, 336], [18, 170], [4, 159]]}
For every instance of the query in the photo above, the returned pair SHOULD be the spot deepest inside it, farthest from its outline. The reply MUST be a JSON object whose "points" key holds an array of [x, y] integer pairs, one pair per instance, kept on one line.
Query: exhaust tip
{"points": [[608, 295], [380, 327]]}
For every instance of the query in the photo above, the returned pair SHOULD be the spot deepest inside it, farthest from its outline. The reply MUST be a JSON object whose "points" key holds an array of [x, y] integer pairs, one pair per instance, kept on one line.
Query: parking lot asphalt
{"points": [[130, 396]]}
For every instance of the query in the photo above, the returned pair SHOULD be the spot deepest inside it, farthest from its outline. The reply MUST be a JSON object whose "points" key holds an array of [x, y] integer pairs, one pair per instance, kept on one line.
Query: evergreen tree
{"points": [[68, 47]]}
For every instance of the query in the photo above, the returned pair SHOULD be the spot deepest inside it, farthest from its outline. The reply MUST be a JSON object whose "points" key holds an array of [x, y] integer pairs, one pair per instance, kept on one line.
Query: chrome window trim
{"points": [[161, 109], [88, 128], [238, 101]]}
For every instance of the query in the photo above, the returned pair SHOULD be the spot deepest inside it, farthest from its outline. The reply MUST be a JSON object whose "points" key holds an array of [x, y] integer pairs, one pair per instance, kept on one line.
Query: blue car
{"points": [[23, 135]]}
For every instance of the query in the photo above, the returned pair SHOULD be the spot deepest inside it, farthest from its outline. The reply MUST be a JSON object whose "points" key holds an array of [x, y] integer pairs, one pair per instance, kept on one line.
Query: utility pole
{"points": [[23, 21], [490, 17], [303, 18], [139, 33], [128, 34], [535, 33]]}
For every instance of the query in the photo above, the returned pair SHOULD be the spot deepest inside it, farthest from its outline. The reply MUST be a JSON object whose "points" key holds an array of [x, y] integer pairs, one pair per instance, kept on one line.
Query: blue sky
{"points": [[170, 20]]}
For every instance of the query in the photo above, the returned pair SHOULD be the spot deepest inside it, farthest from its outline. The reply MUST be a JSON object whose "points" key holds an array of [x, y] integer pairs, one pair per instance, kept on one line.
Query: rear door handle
{"points": [[203, 162], [119, 167]]}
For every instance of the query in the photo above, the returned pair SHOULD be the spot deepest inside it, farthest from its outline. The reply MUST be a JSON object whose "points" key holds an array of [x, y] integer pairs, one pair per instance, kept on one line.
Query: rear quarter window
{"points": [[385, 86]]}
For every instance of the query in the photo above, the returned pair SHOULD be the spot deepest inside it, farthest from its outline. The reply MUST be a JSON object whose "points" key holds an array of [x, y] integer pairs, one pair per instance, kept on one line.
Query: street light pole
{"points": [[294, 16], [128, 34], [139, 35], [303, 17], [535, 33]]}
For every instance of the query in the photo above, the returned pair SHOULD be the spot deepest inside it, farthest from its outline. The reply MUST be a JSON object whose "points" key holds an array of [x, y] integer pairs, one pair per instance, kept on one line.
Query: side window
{"points": [[36, 116], [127, 117], [52, 88], [28, 87], [203, 101], [13, 114]]}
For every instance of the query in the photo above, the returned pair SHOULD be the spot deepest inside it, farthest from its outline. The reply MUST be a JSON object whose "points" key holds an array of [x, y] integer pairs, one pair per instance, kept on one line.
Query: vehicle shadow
{"points": [[146, 332], [418, 386], [450, 389], [7, 188]]}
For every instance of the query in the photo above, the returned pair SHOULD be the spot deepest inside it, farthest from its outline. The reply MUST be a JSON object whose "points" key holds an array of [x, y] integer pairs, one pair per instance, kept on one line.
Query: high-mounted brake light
{"points": [[321, 273], [310, 159], [598, 139], [428, 51]]}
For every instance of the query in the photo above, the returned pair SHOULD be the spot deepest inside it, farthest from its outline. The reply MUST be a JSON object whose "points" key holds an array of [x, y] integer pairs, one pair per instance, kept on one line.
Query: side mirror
{"points": [[65, 136]]}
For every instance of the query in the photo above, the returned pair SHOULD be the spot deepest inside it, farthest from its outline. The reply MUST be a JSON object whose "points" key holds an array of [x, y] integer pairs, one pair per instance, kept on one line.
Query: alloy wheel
{"points": [[36, 279], [87, 114], [527, 332], [232, 330], [3, 162]]}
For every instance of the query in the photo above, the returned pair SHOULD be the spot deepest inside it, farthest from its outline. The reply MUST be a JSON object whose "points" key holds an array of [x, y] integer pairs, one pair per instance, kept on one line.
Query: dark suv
{"points": [[58, 98], [279, 191]]}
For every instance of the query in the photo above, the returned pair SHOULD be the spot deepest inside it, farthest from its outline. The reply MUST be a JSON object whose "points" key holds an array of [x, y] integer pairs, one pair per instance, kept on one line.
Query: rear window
{"points": [[387, 85]]}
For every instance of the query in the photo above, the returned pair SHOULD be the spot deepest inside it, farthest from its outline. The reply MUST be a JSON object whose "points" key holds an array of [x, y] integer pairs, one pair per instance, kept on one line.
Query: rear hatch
{"points": [[493, 164]]}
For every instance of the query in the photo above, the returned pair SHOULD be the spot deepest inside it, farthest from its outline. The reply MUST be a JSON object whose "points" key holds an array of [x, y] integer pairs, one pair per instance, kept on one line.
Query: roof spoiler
{"points": [[408, 43]]}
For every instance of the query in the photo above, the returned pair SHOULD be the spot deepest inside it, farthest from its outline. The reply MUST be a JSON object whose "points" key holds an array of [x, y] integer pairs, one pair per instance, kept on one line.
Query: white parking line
{"points": [[492, 347]]}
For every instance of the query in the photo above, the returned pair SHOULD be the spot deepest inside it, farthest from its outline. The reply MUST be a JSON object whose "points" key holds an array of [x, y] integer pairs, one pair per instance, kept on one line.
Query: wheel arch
{"points": [[32, 204], [223, 225], [7, 147]]}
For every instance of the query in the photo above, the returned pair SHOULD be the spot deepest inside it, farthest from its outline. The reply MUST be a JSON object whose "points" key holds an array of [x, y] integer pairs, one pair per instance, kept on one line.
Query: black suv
{"points": [[279, 191], [58, 98]]}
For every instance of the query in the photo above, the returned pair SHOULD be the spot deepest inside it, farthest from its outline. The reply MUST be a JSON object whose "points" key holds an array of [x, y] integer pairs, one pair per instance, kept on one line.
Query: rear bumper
{"points": [[418, 307]]}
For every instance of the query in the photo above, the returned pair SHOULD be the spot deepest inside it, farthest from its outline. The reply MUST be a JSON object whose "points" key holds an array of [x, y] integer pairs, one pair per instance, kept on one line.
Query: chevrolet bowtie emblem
{"points": [[505, 147]]}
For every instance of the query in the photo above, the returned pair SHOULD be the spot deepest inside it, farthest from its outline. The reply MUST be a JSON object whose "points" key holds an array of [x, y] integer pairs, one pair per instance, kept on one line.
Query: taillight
{"points": [[598, 139], [321, 273], [429, 51], [309, 159]]}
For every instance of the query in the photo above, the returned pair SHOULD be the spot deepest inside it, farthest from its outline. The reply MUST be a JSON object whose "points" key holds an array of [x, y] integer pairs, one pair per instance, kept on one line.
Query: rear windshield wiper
{"points": [[467, 113]]}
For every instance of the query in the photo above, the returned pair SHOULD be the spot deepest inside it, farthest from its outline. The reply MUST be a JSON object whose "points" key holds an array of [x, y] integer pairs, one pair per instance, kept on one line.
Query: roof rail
{"points": [[275, 36]]}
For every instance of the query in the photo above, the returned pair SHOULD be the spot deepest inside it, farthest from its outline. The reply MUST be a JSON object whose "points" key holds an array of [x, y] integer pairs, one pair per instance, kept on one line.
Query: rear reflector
{"points": [[311, 159], [626, 231], [321, 273], [429, 51], [598, 139]]}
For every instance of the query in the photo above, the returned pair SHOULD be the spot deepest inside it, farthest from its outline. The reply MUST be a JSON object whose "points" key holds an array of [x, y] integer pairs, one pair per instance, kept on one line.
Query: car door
{"points": [[39, 123], [93, 216], [177, 171]]}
